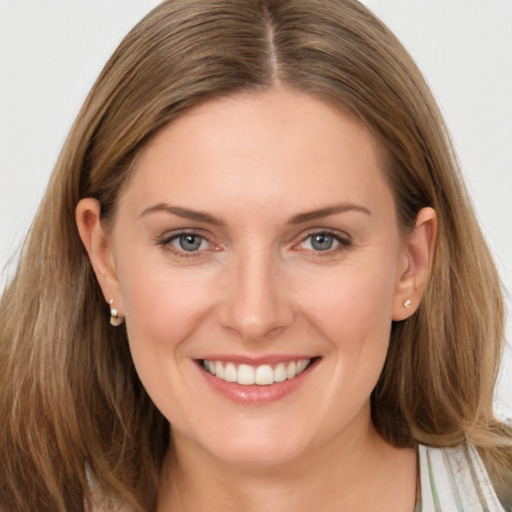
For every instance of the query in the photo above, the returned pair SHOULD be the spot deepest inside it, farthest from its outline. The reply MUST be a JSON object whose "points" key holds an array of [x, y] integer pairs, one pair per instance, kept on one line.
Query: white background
{"points": [[52, 50]]}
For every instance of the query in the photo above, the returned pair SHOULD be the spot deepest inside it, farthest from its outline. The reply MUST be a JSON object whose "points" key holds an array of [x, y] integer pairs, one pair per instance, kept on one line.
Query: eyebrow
{"points": [[327, 211], [215, 221], [185, 213]]}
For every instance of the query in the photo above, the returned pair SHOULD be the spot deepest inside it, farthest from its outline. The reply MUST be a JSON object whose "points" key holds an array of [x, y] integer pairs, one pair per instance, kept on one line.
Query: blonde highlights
{"points": [[70, 398]]}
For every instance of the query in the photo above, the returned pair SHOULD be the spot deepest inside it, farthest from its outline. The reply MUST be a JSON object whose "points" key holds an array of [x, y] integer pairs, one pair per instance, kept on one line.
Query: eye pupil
{"points": [[190, 242], [322, 242]]}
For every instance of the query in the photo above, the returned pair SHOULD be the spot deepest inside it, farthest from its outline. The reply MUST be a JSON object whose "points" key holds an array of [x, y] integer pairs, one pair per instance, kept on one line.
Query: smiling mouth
{"points": [[262, 375]]}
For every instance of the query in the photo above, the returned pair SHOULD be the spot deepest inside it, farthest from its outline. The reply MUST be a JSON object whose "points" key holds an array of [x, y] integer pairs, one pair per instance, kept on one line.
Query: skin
{"points": [[258, 287]]}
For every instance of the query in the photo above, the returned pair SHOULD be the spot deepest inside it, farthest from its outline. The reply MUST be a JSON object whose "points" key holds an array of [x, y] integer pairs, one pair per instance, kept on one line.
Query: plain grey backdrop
{"points": [[52, 50]]}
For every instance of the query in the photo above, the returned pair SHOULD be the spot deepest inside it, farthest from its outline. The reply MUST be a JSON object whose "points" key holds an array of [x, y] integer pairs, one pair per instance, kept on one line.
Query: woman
{"points": [[262, 199]]}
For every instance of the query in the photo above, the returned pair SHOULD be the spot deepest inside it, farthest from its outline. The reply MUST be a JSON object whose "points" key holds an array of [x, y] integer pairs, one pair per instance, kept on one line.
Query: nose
{"points": [[255, 301]]}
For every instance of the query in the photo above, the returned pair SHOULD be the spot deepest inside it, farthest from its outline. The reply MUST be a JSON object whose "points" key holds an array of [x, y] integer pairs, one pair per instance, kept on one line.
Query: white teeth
{"points": [[230, 373], [245, 375], [263, 375], [301, 366], [210, 367], [291, 370], [219, 370], [280, 373]]}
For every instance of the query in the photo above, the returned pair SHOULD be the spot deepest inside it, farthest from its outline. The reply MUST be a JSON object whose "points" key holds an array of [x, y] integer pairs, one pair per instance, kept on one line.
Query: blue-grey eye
{"points": [[190, 242], [322, 241]]}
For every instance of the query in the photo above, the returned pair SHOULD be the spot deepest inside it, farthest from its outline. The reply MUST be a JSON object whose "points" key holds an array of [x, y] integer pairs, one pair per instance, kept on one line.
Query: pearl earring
{"points": [[407, 303], [115, 320]]}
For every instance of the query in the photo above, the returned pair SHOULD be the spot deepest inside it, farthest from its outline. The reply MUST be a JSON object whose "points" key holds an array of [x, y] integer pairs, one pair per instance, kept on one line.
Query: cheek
{"points": [[163, 303], [163, 306], [353, 314], [359, 333], [352, 305], [163, 309]]}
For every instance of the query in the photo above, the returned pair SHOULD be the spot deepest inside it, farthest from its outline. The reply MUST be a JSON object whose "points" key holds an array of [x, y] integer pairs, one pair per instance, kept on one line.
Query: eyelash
{"points": [[166, 243], [344, 242]]}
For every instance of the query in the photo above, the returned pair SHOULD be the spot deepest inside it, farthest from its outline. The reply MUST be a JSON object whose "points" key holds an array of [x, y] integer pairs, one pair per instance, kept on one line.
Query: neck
{"points": [[364, 474]]}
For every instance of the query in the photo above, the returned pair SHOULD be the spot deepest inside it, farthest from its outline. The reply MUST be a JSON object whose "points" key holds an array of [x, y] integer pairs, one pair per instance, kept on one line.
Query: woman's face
{"points": [[258, 236]]}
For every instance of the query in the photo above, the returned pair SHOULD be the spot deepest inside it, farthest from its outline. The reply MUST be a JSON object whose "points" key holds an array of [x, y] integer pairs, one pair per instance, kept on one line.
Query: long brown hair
{"points": [[70, 398]]}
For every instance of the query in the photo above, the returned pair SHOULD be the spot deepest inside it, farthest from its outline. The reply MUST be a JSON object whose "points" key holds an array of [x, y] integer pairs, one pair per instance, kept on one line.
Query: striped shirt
{"points": [[454, 480]]}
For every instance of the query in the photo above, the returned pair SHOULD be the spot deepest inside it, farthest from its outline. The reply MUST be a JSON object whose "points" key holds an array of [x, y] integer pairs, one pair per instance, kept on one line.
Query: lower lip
{"points": [[255, 394]]}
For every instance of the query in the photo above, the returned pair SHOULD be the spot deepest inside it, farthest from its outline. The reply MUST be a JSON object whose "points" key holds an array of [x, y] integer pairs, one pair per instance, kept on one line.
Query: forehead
{"points": [[278, 147]]}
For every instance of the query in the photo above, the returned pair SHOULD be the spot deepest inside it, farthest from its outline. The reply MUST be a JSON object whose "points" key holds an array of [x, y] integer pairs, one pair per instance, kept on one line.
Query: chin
{"points": [[258, 446], [257, 454]]}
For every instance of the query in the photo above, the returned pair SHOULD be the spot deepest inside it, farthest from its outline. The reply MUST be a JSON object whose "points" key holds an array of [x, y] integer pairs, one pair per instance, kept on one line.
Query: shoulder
{"points": [[455, 479], [97, 500]]}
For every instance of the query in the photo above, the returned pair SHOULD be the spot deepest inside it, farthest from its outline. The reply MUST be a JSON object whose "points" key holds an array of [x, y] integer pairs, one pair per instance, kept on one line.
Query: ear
{"points": [[417, 255], [98, 245]]}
